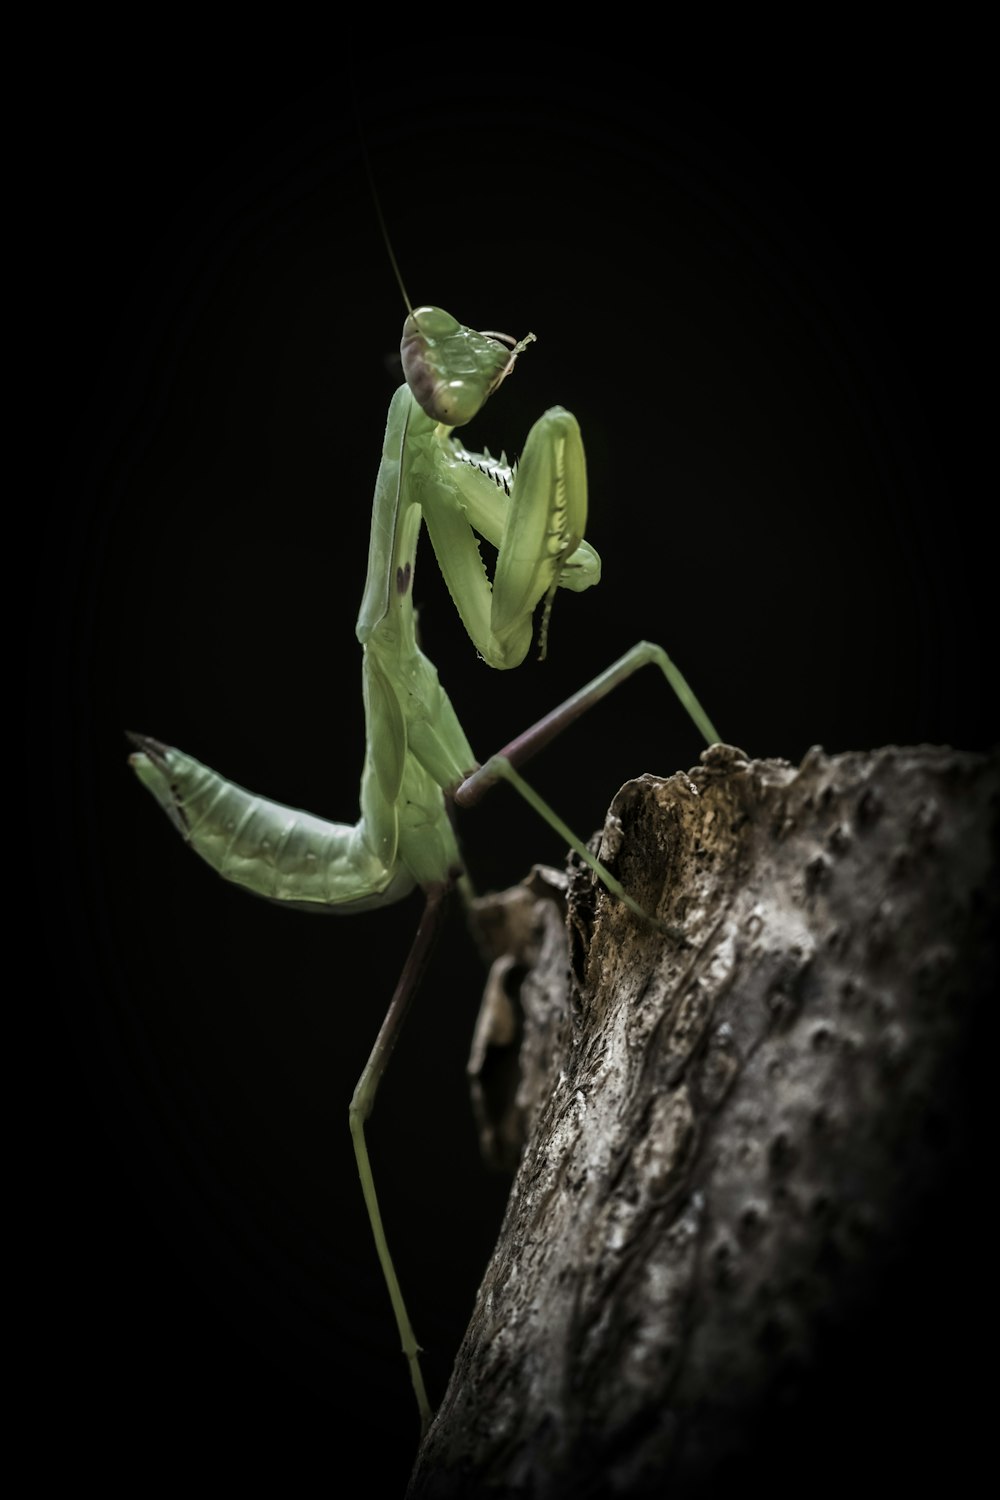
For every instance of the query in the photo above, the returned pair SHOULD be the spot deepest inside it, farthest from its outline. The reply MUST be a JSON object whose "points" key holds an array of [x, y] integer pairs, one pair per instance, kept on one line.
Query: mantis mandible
{"points": [[418, 761]]}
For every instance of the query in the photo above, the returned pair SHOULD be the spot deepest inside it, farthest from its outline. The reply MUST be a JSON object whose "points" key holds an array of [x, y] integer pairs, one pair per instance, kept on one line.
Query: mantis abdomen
{"points": [[271, 850]]}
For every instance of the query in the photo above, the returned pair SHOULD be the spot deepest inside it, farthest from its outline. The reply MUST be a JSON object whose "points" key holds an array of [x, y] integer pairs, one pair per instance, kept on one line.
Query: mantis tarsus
{"points": [[418, 761]]}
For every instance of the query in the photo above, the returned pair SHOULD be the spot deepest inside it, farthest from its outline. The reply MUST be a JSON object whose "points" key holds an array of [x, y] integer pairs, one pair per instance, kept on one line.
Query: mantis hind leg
{"points": [[361, 1107]]}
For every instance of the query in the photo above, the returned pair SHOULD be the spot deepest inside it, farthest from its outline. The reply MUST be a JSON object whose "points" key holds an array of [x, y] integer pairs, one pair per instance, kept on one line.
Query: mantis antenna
{"points": [[377, 202]]}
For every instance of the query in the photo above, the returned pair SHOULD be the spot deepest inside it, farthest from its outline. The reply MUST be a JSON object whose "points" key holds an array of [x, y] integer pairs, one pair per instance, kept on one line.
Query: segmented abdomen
{"points": [[275, 851]]}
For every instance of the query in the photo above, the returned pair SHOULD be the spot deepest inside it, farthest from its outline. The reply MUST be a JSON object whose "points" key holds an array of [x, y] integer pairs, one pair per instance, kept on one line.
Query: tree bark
{"points": [[736, 1127]]}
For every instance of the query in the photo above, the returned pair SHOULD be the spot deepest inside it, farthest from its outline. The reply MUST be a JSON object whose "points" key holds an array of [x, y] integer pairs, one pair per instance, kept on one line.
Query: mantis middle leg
{"points": [[501, 767]]}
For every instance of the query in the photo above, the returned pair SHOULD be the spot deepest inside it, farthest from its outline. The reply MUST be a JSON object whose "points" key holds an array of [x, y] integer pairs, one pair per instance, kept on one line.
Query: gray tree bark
{"points": [[732, 1130]]}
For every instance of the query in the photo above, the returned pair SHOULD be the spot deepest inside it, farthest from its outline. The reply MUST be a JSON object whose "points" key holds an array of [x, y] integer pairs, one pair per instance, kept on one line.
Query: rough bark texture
{"points": [[731, 1131]]}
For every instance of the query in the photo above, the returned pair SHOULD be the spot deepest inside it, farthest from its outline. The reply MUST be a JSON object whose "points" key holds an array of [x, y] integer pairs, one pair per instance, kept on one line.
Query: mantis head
{"points": [[453, 370]]}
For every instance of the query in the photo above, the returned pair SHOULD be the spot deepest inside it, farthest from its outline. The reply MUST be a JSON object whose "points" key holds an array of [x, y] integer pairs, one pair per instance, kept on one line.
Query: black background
{"points": [[765, 313]]}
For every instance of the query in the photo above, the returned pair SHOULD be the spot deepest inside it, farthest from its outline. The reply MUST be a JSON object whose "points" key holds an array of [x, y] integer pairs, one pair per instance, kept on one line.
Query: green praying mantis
{"points": [[418, 763]]}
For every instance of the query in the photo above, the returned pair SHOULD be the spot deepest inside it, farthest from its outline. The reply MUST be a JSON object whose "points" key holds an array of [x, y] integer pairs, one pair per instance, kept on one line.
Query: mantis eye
{"points": [[432, 323]]}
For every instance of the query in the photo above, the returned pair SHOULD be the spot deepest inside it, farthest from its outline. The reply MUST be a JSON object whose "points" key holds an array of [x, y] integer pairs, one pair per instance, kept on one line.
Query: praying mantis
{"points": [[418, 763]]}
